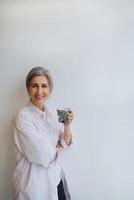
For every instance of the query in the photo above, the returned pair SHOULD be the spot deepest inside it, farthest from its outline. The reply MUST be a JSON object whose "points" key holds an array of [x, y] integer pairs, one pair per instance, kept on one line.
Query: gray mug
{"points": [[62, 114]]}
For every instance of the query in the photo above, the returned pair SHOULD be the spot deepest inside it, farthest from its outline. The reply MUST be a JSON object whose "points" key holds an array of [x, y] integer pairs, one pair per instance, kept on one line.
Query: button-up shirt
{"points": [[39, 169]]}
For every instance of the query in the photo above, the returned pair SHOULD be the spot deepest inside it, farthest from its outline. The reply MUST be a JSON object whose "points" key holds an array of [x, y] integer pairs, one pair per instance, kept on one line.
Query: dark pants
{"points": [[61, 193]]}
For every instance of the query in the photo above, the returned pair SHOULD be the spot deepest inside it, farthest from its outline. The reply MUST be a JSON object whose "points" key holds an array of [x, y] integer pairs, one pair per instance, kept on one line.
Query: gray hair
{"points": [[39, 71]]}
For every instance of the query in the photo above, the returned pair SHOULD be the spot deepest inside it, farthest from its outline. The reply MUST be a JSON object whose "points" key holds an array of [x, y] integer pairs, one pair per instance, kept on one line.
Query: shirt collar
{"points": [[37, 112]]}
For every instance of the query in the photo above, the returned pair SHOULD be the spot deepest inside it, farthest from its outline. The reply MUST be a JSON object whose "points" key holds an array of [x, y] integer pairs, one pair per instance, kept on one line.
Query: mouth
{"points": [[39, 97]]}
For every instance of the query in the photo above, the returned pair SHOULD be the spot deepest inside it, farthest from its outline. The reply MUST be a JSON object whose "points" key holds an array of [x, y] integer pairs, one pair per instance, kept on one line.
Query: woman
{"points": [[39, 139]]}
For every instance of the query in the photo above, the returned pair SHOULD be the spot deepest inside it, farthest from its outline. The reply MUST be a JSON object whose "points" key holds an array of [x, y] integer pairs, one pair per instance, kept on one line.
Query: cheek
{"points": [[30, 92], [47, 92]]}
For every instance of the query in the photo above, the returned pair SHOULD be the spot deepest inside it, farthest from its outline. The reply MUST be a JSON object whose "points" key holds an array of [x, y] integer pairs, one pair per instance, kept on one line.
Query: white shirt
{"points": [[39, 168]]}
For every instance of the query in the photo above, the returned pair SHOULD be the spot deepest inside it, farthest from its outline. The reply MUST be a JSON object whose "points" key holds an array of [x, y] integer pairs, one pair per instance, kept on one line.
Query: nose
{"points": [[39, 90]]}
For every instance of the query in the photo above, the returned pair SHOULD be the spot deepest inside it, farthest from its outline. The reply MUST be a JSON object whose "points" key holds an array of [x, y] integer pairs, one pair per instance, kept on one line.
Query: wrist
{"points": [[66, 126]]}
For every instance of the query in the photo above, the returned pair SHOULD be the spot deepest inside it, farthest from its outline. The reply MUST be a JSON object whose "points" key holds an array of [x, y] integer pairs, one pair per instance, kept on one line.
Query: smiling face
{"points": [[38, 90]]}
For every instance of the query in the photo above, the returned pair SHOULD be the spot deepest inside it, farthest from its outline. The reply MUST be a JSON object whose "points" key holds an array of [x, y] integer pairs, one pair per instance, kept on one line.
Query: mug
{"points": [[62, 114]]}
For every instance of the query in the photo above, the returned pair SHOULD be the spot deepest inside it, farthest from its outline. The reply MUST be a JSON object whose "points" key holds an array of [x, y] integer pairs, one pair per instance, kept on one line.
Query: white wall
{"points": [[88, 46]]}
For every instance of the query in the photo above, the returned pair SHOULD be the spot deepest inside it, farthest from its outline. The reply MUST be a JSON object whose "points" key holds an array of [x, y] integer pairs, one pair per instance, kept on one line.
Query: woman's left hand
{"points": [[70, 118]]}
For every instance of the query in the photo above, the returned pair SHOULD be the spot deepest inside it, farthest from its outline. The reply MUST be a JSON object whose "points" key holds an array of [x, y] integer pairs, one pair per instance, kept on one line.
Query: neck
{"points": [[42, 108]]}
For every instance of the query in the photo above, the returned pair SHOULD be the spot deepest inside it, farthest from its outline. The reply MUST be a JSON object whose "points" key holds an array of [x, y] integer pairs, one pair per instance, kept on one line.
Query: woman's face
{"points": [[38, 91]]}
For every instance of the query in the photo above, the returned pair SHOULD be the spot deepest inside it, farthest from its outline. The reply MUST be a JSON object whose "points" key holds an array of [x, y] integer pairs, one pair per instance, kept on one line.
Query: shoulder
{"points": [[24, 113]]}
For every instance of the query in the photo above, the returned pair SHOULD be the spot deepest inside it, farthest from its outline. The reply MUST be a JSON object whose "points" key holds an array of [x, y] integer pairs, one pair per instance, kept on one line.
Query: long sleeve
{"points": [[31, 143], [61, 137]]}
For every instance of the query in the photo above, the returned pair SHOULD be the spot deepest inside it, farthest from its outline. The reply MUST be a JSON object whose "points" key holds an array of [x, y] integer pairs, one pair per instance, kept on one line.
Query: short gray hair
{"points": [[39, 71]]}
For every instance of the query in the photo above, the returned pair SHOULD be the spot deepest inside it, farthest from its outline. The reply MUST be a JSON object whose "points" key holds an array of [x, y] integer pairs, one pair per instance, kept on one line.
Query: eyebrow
{"points": [[38, 84]]}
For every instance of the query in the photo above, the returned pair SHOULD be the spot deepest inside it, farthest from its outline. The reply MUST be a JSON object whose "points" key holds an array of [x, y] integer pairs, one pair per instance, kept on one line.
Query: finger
{"points": [[70, 119], [71, 114]]}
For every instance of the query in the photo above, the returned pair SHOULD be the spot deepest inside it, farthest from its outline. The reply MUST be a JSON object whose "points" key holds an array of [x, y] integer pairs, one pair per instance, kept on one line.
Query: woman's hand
{"points": [[70, 118]]}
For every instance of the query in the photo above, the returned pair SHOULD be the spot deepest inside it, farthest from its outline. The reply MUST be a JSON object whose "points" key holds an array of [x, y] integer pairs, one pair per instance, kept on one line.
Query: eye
{"points": [[34, 85], [44, 85]]}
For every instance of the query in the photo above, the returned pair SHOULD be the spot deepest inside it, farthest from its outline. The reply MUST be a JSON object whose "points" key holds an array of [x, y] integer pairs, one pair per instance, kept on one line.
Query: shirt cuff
{"points": [[63, 143]]}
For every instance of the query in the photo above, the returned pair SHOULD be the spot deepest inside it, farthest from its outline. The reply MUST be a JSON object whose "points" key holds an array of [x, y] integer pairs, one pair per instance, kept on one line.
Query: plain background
{"points": [[88, 46]]}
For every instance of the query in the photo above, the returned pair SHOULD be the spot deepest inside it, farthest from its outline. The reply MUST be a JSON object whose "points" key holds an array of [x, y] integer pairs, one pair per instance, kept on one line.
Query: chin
{"points": [[39, 105]]}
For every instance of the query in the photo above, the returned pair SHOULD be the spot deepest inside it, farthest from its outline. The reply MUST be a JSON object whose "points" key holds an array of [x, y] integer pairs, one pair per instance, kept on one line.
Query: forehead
{"points": [[39, 79]]}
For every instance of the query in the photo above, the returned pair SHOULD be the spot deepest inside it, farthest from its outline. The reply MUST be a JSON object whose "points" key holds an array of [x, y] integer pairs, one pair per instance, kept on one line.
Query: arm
{"points": [[67, 134], [31, 144]]}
